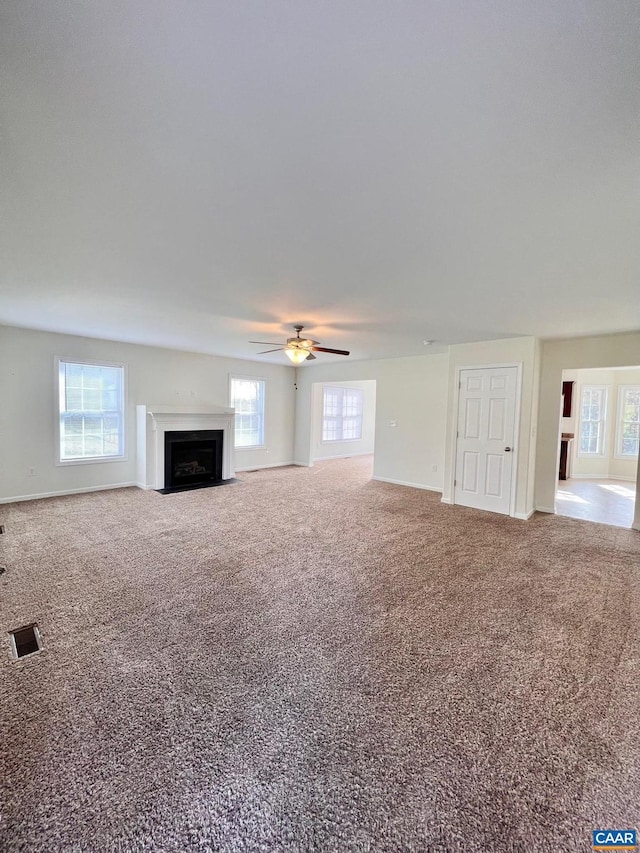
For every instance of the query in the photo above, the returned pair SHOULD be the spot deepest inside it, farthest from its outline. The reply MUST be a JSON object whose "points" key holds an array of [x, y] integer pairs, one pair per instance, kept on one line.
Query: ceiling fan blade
{"points": [[267, 343], [334, 351], [264, 351]]}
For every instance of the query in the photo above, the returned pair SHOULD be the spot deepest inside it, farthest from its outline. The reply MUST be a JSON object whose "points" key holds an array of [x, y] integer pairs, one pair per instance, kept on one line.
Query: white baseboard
{"points": [[302, 464], [18, 498], [260, 467], [596, 477], [407, 483], [551, 510], [342, 456], [524, 516]]}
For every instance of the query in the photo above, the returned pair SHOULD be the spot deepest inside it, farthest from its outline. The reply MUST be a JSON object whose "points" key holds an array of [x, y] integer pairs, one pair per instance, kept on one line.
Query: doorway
{"points": [[599, 443], [343, 419]]}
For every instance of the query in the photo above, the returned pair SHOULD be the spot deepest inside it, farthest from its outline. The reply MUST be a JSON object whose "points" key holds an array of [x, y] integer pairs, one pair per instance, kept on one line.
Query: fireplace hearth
{"points": [[192, 459]]}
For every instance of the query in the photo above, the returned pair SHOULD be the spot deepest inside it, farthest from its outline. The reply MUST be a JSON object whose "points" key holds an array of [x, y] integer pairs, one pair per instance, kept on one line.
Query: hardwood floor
{"points": [[606, 501]]}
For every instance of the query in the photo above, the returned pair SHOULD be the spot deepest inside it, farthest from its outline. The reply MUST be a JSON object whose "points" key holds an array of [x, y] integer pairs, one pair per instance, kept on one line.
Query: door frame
{"points": [[516, 427]]}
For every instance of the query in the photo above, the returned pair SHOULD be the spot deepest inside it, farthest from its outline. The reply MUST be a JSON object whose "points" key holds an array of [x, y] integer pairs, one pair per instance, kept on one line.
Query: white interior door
{"points": [[485, 453]]}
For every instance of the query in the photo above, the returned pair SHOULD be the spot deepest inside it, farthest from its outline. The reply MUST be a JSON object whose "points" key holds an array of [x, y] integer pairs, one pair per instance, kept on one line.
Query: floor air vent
{"points": [[25, 641]]}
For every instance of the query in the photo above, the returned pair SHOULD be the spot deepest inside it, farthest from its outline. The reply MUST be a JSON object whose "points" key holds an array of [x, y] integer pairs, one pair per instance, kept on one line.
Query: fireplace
{"points": [[192, 458], [174, 444]]}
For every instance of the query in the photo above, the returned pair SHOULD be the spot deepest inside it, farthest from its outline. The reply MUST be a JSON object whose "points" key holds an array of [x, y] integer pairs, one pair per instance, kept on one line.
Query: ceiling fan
{"points": [[298, 349]]}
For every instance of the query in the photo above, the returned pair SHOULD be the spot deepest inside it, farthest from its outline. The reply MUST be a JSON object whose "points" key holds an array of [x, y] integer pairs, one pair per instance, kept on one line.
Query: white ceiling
{"points": [[200, 174]]}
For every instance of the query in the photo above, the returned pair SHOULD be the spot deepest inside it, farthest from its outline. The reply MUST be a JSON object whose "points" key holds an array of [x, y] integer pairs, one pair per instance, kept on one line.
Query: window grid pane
{"points": [[342, 413], [247, 398], [592, 415], [91, 411], [629, 442]]}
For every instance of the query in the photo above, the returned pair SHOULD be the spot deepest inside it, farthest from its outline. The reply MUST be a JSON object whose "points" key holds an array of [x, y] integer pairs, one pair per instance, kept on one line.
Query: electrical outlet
{"points": [[32, 472], [393, 423], [434, 467]]}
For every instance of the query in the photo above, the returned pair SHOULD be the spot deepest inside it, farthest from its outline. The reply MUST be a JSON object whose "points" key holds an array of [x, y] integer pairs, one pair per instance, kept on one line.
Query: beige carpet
{"points": [[311, 661]]}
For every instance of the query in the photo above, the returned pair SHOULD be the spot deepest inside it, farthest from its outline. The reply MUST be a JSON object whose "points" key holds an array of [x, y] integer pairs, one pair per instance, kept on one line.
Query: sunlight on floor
{"points": [[567, 496], [624, 491], [604, 501]]}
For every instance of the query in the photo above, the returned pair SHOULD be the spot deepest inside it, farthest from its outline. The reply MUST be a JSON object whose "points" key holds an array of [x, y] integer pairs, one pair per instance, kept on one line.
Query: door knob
{"points": [[507, 450]]}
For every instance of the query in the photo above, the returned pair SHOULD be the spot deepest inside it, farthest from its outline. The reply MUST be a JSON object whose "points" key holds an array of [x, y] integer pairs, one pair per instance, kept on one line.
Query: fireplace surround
{"points": [[158, 427]]}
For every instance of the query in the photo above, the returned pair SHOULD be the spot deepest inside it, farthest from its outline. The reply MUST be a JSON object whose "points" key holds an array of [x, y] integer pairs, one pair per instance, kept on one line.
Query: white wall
{"points": [[355, 447], [533, 427], [571, 354], [410, 391], [154, 376], [523, 351]]}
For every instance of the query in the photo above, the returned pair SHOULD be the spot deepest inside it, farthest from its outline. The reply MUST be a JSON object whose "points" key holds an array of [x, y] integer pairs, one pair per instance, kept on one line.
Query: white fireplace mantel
{"points": [[154, 421]]}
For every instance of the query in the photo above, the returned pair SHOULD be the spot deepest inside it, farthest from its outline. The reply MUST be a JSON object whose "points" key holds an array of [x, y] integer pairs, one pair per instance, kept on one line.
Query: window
{"points": [[628, 439], [593, 411], [247, 398], [91, 411], [342, 413]]}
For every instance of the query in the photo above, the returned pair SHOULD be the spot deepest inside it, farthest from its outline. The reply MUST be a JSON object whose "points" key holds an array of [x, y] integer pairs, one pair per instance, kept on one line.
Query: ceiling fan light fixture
{"points": [[298, 349], [297, 354]]}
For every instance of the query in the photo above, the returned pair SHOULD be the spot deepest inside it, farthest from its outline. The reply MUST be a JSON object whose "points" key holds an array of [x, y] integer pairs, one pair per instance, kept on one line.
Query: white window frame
{"points": [[360, 416], [622, 389], [90, 460], [602, 437], [242, 378]]}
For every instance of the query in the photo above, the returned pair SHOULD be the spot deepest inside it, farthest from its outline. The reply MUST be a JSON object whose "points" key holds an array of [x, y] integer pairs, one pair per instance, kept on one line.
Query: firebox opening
{"points": [[192, 459]]}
